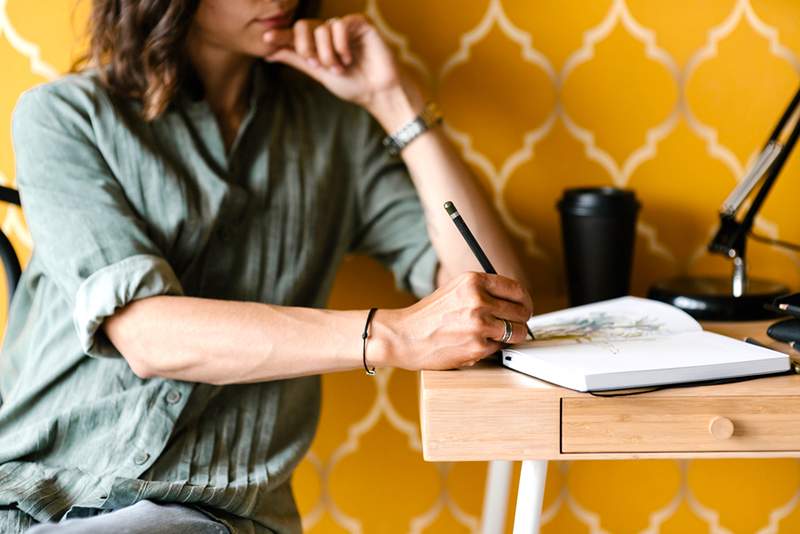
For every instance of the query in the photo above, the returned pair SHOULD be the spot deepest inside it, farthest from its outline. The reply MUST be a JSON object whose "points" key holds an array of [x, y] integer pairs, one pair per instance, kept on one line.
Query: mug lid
{"points": [[598, 201]]}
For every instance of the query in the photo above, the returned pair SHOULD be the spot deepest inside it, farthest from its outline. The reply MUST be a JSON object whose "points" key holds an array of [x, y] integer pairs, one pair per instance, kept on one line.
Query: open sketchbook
{"points": [[633, 342]]}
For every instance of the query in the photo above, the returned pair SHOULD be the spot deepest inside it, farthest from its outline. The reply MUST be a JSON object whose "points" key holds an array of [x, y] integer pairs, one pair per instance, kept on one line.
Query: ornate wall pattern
{"points": [[669, 98]]}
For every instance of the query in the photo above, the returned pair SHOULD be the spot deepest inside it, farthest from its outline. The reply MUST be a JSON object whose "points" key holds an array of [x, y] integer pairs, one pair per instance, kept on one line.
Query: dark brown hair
{"points": [[138, 47]]}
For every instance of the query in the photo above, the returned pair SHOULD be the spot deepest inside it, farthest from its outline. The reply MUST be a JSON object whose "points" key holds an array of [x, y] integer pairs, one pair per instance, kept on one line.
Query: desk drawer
{"points": [[680, 424]]}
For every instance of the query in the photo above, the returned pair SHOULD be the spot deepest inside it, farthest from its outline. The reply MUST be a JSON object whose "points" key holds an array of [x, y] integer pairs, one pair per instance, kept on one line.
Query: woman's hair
{"points": [[139, 47]]}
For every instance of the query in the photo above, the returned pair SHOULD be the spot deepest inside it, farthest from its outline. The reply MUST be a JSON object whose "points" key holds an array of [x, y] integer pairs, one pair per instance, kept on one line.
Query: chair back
{"points": [[7, 253]]}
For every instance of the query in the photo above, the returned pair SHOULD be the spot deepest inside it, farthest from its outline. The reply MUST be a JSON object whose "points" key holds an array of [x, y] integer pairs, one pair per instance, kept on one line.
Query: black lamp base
{"points": [[710, 299]]}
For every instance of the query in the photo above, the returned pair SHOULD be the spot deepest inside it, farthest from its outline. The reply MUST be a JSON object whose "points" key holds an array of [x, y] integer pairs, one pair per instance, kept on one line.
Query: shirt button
{"points": [[140, 458], [173, 396]]}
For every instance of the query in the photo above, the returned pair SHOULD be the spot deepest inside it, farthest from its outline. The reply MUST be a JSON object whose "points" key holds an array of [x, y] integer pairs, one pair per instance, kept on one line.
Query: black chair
{"points": [[7, 253]]}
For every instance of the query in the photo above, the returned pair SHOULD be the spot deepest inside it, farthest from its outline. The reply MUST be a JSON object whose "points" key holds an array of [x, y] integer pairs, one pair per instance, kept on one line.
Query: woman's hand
{"points": [[350, 58], [455, 326]]}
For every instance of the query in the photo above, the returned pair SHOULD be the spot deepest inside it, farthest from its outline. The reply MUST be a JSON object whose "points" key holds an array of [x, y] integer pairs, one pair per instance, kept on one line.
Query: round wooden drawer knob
{"points": [[721, 427]]}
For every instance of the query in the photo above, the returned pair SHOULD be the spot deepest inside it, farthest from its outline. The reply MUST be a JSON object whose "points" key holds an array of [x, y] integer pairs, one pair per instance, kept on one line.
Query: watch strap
{"points": [[400, 139]]}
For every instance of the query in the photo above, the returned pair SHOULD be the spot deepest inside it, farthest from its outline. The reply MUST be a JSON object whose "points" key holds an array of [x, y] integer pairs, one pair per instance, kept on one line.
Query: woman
{"points": [[190, 199]]}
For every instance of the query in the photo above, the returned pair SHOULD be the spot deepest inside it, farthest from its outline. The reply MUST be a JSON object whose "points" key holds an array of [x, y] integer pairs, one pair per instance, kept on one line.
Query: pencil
{"points": [[790, 308], [487, 266]]}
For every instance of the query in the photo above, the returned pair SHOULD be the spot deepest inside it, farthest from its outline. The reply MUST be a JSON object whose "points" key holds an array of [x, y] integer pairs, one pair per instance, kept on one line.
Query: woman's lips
{"points": [[284, 20]]}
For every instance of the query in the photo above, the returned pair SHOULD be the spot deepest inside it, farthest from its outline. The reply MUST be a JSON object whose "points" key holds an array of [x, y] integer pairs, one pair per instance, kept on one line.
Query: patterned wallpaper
{"points": [[669, 98]]}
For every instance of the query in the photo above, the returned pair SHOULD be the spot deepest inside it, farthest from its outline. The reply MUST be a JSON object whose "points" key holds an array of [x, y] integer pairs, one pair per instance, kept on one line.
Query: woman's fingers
{"points": [[279, 38], [323, 40], [304, 42], [507, 289], [488, 300], [341, 42], [319, 43], [293, 59], [506, 309], [518, 331], [487, 290]]}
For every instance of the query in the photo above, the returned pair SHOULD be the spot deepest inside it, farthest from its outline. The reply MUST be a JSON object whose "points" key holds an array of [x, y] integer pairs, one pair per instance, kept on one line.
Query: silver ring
{"points": [[509, 331]]}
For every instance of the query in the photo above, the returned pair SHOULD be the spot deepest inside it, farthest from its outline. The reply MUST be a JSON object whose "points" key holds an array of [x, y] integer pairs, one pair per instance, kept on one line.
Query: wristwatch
{"points": [[429, 117]]}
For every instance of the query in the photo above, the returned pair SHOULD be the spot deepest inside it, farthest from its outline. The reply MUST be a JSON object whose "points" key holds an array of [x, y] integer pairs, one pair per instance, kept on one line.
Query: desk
{"points": [[490, 413]]}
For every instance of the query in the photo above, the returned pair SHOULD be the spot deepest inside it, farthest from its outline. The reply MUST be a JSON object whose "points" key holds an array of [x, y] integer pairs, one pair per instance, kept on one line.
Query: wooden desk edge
{"points": [[576, 457], [450, 391]]}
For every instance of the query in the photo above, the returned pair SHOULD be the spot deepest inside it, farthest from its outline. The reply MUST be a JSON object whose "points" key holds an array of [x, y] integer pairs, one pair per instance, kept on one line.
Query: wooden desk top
{"points": [[488, 412]]}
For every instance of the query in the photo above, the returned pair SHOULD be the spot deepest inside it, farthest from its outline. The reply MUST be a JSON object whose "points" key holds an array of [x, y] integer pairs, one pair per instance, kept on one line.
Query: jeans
{"points": [[144, 517]]}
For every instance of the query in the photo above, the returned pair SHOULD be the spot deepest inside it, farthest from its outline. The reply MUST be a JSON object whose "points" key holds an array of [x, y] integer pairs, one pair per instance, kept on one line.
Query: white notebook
{"points": [[633, 342]]}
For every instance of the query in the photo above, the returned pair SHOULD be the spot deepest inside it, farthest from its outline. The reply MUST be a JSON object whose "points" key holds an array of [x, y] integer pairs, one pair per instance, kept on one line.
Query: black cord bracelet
{"points": [[364, 336]]}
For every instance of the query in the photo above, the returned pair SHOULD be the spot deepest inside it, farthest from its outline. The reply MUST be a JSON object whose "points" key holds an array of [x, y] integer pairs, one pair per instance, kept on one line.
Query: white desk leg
{"points": [[530, 495], [495, 497]]}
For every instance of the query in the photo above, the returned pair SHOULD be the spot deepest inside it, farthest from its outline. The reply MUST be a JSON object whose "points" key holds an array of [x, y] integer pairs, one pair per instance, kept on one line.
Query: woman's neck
{"points": [[225, 75]]}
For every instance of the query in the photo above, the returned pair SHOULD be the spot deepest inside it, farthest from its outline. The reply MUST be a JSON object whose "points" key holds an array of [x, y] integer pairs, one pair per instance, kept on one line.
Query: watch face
{"points": [[397, 141], [414, 128]]}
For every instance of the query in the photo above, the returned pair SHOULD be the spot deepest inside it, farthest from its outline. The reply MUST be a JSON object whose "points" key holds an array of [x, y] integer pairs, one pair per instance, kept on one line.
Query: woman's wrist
{"points": [[396, 106], [383, 344]]}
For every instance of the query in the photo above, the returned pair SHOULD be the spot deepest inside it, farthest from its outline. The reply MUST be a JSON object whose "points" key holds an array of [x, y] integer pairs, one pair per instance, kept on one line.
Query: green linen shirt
{"points": [[122, 209]]}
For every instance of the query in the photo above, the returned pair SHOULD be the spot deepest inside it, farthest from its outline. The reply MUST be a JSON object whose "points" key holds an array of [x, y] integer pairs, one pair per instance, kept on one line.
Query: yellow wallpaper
{"points": [[669, 98]]}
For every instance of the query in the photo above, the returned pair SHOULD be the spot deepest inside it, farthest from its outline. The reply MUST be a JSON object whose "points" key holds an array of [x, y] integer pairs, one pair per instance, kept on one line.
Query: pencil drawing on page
{"points": [[600, 328]]}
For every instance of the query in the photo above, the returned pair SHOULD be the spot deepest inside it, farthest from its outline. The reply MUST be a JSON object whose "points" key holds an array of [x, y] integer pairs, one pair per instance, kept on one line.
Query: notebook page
{"points": [[622, 319]]}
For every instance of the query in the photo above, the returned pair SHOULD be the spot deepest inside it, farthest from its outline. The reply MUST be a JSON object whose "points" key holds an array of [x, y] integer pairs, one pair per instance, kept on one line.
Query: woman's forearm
{"points": [[227, 342], [439, 174], [222, 342]]}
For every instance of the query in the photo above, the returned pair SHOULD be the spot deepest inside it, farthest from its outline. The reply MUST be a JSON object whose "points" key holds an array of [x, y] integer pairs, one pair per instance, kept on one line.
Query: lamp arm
{"points": [[731, 236], [785, 118], [774, 170]]}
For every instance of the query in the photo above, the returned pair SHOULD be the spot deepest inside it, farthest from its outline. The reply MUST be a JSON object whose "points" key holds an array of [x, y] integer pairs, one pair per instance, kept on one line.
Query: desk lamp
{"points": [[739, 298]]}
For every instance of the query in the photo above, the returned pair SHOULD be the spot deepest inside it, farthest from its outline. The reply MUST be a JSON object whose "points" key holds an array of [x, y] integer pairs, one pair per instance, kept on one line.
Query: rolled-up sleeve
{"points": [[112, 287], [392, 222], [87, 238]]}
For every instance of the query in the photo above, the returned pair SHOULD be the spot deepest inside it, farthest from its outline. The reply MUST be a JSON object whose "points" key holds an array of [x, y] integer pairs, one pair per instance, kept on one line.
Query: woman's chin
{"points": [[255, 50]]}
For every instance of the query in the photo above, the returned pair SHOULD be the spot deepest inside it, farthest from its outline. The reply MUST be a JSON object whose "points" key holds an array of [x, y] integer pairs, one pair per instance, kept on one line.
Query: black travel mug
{"points": [[598, 226]]}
